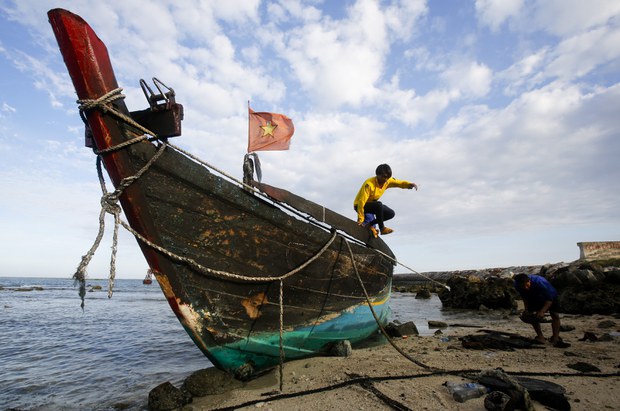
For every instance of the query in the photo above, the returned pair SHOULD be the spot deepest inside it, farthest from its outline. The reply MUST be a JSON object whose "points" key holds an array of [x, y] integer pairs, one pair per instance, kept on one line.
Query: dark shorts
{"points": [[537, 305]]}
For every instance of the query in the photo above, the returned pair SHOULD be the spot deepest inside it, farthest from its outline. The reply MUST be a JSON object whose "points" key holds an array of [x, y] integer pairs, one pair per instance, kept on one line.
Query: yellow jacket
{"points": [[371, 191]]}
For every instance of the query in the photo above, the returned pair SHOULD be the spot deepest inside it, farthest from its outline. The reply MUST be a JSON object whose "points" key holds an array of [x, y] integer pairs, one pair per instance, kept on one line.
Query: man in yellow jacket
{"points": [[367, 199]]}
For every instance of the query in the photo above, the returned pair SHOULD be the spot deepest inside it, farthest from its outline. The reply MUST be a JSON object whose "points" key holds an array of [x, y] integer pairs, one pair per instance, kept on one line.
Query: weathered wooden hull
{"points": [[193, 213]]}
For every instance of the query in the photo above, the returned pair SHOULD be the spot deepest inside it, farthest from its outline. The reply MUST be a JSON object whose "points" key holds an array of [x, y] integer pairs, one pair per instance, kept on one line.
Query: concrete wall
{"points": [[599, 250]]}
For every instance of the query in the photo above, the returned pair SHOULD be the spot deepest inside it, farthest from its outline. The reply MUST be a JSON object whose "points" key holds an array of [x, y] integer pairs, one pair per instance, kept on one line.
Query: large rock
{"points": [[338, 349], [423, 294], [472, 292], [585, 287], [209, 381], [166, 397], [397, 329]]}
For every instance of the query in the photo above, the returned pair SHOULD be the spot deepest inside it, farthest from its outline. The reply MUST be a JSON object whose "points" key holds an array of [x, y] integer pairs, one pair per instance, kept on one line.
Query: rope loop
{"points": [[109, 203], [104, 103], [87, 105]]}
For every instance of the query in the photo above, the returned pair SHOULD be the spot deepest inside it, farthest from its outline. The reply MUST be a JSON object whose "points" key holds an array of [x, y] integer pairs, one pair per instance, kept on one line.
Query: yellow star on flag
{"points": [[268, 129]]}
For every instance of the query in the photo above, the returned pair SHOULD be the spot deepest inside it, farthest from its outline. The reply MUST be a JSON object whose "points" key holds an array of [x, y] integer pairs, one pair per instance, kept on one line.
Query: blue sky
{"points": [[504, 112]]}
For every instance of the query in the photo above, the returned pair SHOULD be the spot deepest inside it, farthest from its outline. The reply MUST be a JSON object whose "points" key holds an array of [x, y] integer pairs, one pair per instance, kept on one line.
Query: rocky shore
{"points": [[421, 373], [584, 287], [380, 378]]}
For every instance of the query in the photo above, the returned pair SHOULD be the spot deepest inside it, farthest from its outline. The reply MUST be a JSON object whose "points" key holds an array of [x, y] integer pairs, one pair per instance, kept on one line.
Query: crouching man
{"points": [[539, 296]]}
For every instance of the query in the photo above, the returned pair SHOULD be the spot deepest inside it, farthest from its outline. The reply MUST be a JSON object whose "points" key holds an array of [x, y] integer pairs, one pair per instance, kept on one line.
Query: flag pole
{"points": [[248, 125]]}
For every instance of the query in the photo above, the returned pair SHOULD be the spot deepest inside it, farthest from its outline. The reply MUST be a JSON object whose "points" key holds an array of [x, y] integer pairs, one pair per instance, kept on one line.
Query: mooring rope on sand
{"points": [[374, 314], [364, 379]]}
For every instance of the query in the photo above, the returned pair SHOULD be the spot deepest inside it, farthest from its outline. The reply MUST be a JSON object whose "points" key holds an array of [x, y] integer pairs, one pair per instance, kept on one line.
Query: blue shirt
{"points": [[540, 291]]}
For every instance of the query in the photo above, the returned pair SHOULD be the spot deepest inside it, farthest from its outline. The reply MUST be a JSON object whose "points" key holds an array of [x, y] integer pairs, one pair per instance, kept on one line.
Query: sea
{"points": [[54, 355]]}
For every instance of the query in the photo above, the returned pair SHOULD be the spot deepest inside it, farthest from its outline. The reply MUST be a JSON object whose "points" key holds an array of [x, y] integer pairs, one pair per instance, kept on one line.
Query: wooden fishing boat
{"points": [[255, 274]]}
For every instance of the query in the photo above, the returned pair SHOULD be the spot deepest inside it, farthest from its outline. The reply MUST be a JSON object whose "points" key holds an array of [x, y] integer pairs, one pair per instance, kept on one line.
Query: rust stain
{"points": [[164, 284], [205, 235], [253, 304], [213, 331]]}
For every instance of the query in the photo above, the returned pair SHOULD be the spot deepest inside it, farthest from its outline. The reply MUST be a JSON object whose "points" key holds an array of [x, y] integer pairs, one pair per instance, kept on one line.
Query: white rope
{"points": [[412, 270], [374, 314], [225, 274]]}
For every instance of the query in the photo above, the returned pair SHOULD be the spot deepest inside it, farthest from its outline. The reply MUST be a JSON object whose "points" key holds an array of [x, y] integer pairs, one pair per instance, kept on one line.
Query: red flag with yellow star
{"points": [[269, 131]]}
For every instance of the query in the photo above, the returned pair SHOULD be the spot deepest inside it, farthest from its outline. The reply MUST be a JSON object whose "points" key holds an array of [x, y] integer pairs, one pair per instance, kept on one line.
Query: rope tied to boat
{"points": [[109, 204], [374, 314], [104, 103], [101, 103], [109, 200]]}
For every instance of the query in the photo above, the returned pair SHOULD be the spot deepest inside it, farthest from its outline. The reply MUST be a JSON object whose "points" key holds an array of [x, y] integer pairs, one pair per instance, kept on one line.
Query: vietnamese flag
{"points": [[269, 131]]}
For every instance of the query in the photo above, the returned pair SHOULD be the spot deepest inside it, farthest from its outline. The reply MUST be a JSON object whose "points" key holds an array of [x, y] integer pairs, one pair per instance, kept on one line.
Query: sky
{"points": [[504, 112]]}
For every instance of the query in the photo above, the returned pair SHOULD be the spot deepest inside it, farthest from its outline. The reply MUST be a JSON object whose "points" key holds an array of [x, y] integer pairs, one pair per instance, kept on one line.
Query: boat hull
{"points": [[237, 267], [263, 350]]}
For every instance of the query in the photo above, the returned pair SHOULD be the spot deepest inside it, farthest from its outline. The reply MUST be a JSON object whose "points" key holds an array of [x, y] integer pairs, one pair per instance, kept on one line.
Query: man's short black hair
{"points": [[383, 170], [521, 280]]}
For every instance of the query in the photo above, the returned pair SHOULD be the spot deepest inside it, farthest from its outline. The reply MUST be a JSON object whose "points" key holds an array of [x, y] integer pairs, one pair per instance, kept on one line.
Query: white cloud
{"points": [[423, 60], [494, 13], [460, 81], [577, 56], [7, 108], [402, 16], [519, 161], [470, 79], [521, 72], [339, 63], [570, 59], [568, 17]]}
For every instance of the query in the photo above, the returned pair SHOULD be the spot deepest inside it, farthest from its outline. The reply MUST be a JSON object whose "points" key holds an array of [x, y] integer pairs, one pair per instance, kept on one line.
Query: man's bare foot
{"points": [[558, 343], [540, 339]]}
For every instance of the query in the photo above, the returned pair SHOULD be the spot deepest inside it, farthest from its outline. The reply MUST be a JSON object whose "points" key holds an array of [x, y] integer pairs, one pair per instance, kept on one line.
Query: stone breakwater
{"points": [[401, 281], [584, 287]]}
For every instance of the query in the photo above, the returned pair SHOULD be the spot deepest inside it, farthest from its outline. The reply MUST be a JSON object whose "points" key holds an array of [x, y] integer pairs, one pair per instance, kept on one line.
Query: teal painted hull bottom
{"points": [[263, 351]]}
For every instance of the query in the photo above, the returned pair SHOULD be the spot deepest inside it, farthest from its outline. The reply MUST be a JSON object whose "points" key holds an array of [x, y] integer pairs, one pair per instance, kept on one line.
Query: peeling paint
{"points": [[206, 234], [213, 331], [253, 304], [191, 317]]}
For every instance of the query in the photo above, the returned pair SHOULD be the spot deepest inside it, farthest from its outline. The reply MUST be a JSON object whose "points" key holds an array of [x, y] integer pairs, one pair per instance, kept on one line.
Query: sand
{"points": [[410, 386]]}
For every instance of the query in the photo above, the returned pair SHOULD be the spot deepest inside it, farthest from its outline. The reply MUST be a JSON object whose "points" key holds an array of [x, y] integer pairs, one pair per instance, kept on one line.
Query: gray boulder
{"points": [[471, 292], [166, 397], [209, 381], [585, 287], [396, 329]]}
